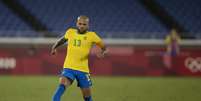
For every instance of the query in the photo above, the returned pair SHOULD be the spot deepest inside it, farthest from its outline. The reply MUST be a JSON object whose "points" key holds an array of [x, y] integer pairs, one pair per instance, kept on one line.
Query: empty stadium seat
{"points": [[107, 16], [110, 18], [186, 12], [12, 26]]}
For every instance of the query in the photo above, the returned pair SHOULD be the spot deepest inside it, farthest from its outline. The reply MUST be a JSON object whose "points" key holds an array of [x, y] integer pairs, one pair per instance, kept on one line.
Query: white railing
{"points": [[46, 41]]}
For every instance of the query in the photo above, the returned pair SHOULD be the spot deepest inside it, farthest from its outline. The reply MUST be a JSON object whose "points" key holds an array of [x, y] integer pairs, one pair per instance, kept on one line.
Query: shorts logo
{"points": [[193, 64], [88, 77]]}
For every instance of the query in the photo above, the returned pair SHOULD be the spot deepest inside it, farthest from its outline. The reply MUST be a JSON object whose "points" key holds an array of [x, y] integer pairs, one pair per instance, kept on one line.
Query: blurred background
{"points": [[139, 62]]}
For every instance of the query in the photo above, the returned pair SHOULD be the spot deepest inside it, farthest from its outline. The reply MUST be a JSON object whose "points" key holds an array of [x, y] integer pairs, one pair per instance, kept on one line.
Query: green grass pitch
{"points": [[41, 88]]}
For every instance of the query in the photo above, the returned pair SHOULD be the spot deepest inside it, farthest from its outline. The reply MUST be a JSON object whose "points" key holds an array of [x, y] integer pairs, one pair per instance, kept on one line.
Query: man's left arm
{"points": [[103, 49], [99, 42]]}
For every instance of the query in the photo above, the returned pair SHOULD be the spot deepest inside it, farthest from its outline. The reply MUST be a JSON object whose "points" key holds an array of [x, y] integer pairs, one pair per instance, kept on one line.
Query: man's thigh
{"points": [[67, 77], [83, 80]]}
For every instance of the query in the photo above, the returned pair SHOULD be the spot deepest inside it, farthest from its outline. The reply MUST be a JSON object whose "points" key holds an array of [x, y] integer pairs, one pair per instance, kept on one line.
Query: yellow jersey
{"points": [[169, 40], [78, 49]]}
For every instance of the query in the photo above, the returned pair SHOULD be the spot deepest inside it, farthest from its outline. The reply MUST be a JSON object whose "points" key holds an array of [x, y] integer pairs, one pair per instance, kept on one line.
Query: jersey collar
{"points": [[78, 32]]}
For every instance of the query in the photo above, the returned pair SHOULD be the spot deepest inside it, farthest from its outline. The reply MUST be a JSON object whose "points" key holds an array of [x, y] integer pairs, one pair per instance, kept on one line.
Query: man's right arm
{"points": [[60, 42]]}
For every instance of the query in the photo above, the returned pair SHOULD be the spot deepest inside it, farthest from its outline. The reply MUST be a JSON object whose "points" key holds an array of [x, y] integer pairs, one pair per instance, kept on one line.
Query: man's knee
{"points": [[86, 92], [65, 81]]}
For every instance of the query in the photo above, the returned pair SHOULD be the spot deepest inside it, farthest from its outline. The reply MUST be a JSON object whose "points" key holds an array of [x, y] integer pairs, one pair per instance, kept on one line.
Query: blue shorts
{"points": [[173, 53], [83, 79]]}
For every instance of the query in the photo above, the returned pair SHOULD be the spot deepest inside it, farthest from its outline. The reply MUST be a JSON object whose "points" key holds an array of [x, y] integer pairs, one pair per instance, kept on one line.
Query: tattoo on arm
{"points": [[60, 42]]}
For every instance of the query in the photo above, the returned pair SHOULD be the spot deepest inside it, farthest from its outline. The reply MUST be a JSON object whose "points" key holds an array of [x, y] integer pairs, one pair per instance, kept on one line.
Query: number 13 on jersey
{"points": [[77, 42]]}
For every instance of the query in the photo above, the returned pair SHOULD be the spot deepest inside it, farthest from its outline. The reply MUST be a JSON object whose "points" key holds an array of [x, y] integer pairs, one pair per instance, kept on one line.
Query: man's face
{"points": [[173, 33], [82, 24]]}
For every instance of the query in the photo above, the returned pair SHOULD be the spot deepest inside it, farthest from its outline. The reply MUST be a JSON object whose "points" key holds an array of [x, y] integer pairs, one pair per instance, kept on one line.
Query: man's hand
{"points": [[101, 54], [53, 51]]}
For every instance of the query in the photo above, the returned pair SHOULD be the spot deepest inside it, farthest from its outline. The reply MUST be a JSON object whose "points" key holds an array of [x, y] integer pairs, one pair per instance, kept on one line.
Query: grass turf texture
{"points": [[41, 88]]}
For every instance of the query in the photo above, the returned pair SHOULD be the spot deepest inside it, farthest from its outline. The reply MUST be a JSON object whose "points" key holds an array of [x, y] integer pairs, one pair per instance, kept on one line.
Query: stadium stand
{"points": [[186, 12], [113, 18], [12, 26], [118, 18]]}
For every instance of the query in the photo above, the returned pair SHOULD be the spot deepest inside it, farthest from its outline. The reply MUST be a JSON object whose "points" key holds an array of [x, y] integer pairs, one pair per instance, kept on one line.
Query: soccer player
{"points": [[80, 40], [172, 41]]}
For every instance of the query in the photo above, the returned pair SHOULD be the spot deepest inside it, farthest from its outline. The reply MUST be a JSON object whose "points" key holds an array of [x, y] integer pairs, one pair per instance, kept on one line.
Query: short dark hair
{"points": [[83, 17]]}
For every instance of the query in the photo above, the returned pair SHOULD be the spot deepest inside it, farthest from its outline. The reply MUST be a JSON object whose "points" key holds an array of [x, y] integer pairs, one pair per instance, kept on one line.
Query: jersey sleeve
{"points": [[167, 39], [67, 34], [98, 41]]}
